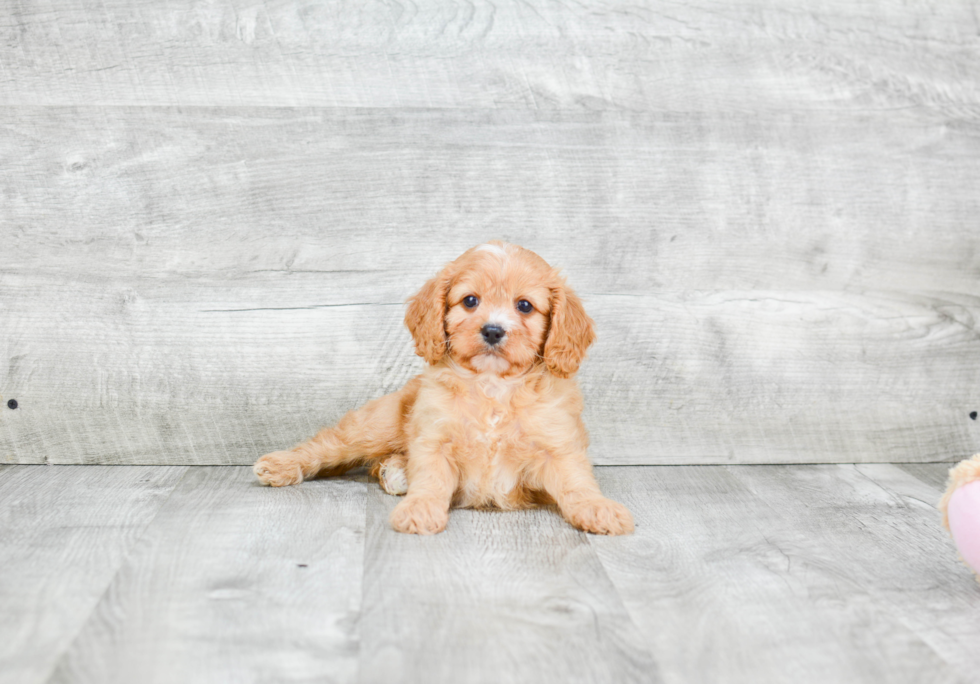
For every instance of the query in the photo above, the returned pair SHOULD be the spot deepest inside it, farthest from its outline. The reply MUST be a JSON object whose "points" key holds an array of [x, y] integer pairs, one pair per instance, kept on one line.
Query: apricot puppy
{"points": [[494, 421]]}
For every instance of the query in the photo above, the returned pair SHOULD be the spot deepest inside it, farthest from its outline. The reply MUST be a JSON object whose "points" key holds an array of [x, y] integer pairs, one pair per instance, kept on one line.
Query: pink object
{"points": [[964, 522]]}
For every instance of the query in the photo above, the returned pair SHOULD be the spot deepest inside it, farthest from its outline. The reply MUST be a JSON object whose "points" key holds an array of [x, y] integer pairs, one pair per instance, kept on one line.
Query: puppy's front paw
{"points": [[279, 468], [601, 516], [419, 516]]}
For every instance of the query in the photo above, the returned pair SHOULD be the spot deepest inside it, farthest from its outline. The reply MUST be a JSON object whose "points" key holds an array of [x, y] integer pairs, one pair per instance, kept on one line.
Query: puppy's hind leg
{"points": [[361, 437], [391, 474]]}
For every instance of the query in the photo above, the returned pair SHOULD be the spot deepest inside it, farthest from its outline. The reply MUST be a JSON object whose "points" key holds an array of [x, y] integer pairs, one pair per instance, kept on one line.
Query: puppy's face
{"points": [[497, 310], [500, 308]]}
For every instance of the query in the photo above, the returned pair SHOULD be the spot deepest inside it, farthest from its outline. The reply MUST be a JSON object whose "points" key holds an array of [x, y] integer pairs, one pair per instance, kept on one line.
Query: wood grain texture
{"points": [[893, 542], [232, 279], [363, 205], [497, 597], [770, 574], [935, 475], [233, 582], [750, 377], [210, 214], [735, 573], [692, 56], [64, 532]]}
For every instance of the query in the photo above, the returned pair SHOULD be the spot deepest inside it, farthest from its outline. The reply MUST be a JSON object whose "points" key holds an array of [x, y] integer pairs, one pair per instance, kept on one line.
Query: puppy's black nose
{"points": [[492, 334]]}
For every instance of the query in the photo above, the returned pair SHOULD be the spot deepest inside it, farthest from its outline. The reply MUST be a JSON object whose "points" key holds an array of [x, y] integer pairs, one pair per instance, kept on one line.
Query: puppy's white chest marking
{"points": [[491, 400], [499, 389], [492, 429]]}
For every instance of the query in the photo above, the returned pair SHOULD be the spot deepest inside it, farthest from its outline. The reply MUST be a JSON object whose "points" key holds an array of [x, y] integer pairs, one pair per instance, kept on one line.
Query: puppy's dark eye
{"points": [[470, 301], [524, 306]]}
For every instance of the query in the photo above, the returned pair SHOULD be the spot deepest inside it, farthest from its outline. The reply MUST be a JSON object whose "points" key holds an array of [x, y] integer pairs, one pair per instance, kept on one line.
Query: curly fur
{"points": [[485, 425]]}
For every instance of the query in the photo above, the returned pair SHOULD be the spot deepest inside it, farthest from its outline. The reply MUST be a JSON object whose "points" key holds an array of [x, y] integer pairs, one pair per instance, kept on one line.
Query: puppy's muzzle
{"points": [[492, 334]]}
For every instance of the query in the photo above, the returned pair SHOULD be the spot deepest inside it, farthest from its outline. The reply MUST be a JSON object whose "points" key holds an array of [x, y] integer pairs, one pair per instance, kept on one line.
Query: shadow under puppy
{"points": [[495, 418]]}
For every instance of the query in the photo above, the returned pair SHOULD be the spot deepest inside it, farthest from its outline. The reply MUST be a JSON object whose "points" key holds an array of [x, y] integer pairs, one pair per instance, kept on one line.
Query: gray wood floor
{"points": [[735, 574]]}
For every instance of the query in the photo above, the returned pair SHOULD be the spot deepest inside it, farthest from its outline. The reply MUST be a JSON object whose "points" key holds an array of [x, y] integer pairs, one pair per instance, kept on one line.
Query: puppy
{"points": [[494, 421]]}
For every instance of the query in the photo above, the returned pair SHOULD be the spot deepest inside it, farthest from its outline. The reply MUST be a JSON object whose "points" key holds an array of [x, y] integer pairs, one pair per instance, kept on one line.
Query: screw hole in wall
{"points": [[12, 404]]}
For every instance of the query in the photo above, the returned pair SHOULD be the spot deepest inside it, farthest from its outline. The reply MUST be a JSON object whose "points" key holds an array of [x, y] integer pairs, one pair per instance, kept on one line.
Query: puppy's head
{"points": [[500, 308]]}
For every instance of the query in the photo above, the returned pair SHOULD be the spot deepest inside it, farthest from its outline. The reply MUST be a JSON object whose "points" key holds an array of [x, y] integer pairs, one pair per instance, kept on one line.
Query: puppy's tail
{"points": [[362, 437]]}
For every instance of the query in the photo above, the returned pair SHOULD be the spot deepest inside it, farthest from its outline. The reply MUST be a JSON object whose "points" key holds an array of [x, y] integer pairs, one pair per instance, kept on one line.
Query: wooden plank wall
{"points": [[211, 214]]}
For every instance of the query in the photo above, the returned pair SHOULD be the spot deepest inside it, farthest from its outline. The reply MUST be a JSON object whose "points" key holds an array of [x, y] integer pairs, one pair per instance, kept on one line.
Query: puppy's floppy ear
{"points": [[570, 331], [425, 317]]}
